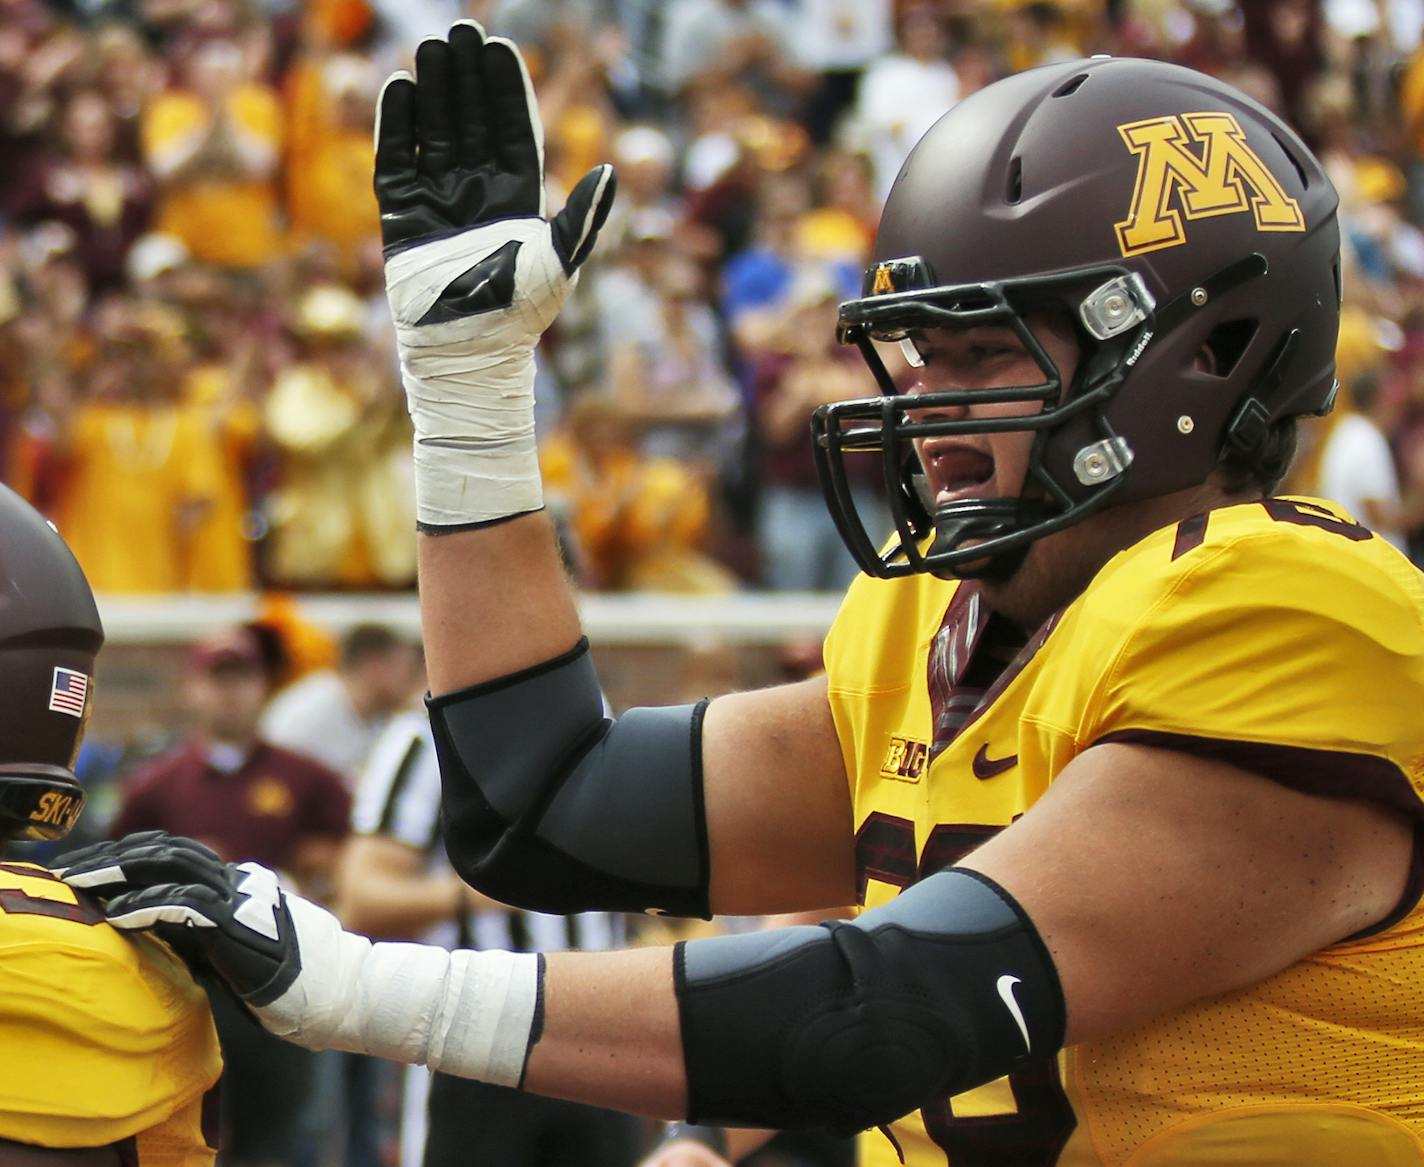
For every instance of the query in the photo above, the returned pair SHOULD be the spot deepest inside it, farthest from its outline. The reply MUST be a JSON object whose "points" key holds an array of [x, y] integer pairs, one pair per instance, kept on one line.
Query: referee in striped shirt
{"points": [[395, 884]]}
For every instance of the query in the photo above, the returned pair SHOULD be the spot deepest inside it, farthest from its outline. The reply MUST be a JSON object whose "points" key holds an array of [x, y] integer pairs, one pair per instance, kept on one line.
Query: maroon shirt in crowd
{"points": [[263, 810]]}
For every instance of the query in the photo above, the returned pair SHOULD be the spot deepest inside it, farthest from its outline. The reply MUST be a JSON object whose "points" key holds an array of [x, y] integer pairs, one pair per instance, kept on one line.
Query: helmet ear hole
{"points": [[1227, 343], [1013, 191]]}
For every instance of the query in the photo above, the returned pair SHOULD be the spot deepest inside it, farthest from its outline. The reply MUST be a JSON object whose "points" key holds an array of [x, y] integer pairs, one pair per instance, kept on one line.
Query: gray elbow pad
{"points": [[848, 1025], [551, 806]]}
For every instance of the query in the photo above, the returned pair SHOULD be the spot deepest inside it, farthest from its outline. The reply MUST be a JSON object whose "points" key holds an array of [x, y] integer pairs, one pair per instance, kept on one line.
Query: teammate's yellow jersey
{"points": [[1276, 635], [104, 1037]]}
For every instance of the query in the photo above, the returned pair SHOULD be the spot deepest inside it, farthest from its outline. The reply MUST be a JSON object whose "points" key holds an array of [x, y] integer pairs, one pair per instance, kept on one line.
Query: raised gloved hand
{"points": [[301, 974], [474, 271]]}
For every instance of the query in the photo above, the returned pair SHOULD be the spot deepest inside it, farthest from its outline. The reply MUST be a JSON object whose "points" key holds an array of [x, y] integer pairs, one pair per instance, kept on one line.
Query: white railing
{"points": [[641, 618]]}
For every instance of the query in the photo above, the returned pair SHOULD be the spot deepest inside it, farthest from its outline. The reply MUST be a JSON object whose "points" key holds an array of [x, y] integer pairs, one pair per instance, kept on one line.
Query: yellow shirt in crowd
{"points": [[233, 222]]}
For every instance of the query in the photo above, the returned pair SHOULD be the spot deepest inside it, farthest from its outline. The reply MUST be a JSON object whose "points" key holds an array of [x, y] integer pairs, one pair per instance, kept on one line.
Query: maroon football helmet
{"points": [[49, 636], [1163, 211]]}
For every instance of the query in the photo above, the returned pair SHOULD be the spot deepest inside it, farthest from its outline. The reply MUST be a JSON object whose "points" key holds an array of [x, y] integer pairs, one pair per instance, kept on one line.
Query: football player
{"points": [[110, 1053], [1120, 752]]}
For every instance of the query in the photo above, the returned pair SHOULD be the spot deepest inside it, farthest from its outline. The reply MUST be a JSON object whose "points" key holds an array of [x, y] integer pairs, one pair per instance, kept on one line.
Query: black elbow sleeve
{"points": [[851, 1025], [551, 806]]}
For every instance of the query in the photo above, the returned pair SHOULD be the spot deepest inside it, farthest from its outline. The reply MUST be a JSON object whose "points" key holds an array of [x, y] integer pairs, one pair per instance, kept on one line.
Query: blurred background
{"points": [[197, 372]]}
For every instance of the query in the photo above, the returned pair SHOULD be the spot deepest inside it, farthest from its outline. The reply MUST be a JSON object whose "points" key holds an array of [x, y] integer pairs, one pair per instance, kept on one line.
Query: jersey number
{"points": [[1034, 1134], [15, 902], [1305, 514]]}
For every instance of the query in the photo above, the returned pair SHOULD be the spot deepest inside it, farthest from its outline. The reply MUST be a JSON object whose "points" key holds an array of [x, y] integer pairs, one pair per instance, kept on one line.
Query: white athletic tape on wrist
{"points": [[466, 1013], [470, 382]]}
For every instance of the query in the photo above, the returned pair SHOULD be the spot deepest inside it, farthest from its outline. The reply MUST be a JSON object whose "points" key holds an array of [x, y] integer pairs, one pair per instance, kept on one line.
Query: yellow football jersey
{"points": [[1276, 635], [105, 1036]]}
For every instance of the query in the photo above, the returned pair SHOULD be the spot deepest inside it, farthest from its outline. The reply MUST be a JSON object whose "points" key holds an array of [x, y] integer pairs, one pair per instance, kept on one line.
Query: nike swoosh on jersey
{"points": [[986, 767], [1005, 986]]}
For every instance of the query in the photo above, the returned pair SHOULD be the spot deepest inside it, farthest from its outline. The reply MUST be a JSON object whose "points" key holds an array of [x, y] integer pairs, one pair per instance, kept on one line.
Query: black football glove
{"points": [[474, 270], [460, 146], [227, 919], [304, 977]]}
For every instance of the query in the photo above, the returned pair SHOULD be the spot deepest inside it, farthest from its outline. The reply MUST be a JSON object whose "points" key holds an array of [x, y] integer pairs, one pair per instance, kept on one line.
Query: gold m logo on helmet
{"points": [[883, 281], [1228, 178]]}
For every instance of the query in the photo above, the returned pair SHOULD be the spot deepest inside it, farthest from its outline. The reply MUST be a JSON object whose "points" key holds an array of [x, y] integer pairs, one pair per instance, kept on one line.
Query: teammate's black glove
{"points": [[303, 976], [227, 919], [474, 270]]}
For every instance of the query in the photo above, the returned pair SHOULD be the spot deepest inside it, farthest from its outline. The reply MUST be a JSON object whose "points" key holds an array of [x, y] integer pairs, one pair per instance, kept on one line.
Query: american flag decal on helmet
{"points": [[68, 692]]}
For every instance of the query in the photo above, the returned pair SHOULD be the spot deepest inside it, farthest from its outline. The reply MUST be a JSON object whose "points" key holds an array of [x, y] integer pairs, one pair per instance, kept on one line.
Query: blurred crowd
{"points": [[197, 377]]}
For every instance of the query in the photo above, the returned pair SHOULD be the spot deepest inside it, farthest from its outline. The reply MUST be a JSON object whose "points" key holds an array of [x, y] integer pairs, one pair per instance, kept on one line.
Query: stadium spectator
{"points": [[250, 124], [839, 226], [1351, 460], [247, 799], [638, 522], [331, 102], [800, 547], [646, 161], [139, 469], [87, 185], [129, 74], [903, 93], [1286, 38], [1356, 464], [335, 715], [667, 371], [214, 144], [757, 280], [1039, 34], [709, 44], [582, 119], [837, 40], [341, 512], [39, 54]]}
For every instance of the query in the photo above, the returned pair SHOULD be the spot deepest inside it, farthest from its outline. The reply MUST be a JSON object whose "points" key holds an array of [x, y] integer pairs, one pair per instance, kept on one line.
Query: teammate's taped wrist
{"points": [[472, 1014]]}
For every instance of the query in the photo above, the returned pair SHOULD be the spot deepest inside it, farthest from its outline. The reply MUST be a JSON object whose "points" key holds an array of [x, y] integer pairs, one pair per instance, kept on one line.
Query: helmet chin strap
{"points": [[957, 523]]}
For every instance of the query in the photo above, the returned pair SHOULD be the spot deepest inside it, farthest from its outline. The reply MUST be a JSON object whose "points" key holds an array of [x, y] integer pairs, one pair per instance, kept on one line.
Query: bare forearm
{"points": [[493, 601], [611, 1033], [399, 907]]}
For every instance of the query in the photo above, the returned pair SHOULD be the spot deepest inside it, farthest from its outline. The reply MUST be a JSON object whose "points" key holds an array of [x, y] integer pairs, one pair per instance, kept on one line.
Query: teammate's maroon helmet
{"points": [[1161, 210], [49, 636]]}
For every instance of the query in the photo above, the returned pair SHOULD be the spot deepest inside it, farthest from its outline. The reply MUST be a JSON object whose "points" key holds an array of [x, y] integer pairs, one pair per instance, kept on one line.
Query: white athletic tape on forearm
{"points": [[467, 1013], [470, 382]]}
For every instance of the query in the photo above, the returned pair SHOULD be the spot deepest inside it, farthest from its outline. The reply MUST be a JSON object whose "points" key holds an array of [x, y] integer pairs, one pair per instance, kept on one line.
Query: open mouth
{"points": [[956, 471]]}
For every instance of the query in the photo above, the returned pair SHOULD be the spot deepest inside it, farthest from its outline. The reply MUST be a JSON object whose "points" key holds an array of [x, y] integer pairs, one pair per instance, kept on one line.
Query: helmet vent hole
{"points": [[1300, 170], [1014, 190], [1070, 87], [1227, 344]]}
